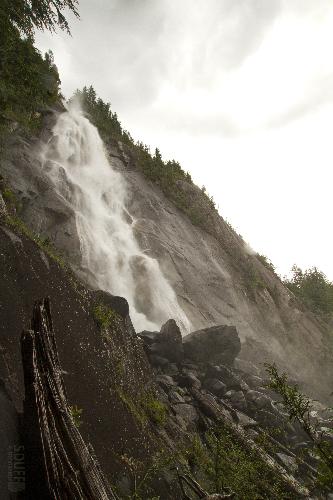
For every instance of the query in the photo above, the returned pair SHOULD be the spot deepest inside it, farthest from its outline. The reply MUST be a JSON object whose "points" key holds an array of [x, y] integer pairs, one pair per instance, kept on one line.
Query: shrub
{"points": [[298, 407], [223, 464], [76, 413], [313, 289], [266, 262], [155, 410], [251, 279], [105, 316]]}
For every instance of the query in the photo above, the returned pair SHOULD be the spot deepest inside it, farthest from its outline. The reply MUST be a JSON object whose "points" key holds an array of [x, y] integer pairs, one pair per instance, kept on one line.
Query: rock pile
{"points": [[205, 364]]}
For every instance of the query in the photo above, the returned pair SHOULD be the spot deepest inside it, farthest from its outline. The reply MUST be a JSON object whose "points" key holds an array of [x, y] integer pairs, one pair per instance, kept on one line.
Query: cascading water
{"points": [[75, 161]]}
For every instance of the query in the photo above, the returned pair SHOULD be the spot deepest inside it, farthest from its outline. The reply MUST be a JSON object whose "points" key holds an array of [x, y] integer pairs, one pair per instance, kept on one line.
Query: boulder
{"points": [[287, 461], [170, 342], [237, 400], [253, 381], [171, 369], [148, 337], [187, 412], [245, 421], [247, 366], [165, 382], [158, 360], [224, 373], [258, 401], [188, 379], [215, 386], [216, 345], [176, 398]]}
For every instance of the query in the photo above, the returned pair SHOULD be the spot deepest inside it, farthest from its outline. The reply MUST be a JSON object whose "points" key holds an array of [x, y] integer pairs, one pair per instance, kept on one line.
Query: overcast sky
{"points": [[240, 92]]}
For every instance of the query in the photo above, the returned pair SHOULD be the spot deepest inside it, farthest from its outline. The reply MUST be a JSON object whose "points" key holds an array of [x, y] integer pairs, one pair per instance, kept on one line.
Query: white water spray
{"points": [[75, 161]]}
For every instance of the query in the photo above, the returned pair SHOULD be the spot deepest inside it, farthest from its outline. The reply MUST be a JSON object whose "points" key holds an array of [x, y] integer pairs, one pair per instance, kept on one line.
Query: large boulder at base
{"points": [[170, 342], [216, 345], [118, 304]]}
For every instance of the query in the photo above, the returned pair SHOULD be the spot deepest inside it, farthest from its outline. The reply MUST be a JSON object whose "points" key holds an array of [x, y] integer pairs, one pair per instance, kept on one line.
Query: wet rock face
{"points": [[118, 304], [218, 344]]}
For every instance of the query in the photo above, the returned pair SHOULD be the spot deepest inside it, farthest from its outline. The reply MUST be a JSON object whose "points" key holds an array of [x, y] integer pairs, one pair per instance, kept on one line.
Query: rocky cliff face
{"points": [[217, 279], [146, 402], [158, 392]]}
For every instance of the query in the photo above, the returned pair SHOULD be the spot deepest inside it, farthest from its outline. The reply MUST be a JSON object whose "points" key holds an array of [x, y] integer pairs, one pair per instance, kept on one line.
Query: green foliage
{"points": [[155, 410], [28, 82], [105, 316], [100, 115], [251, 279], [27, 15], [313, 289], [76, 413], [145, 406], [141, 475], [133, 407], [8, 196], [298, 407], [223, 464], [266, 262]]}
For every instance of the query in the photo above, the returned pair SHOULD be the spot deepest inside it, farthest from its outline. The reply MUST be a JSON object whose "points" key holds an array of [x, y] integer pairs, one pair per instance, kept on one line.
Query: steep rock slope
{"points": [[130, 411], [216, 277]]}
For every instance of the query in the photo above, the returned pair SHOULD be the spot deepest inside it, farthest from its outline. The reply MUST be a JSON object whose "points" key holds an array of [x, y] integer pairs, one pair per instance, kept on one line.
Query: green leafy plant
{"points": [[155, 409], [251, 279], [313, 289], [266, 262], [298, 407], [76, 414], [105, 316], [222, 465], [145, 406], [141, 475]]}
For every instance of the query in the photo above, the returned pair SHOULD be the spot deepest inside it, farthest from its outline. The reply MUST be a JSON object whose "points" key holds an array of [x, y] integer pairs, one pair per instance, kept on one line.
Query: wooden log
{"points": [[60, 466]]}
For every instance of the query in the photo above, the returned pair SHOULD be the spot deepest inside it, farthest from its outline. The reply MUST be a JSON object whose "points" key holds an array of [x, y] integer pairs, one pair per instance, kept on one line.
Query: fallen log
{"points": [[60, 466]]}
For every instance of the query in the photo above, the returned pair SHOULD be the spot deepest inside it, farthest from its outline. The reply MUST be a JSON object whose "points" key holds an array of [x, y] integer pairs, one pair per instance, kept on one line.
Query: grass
{"points": [[134, 407], [145, 407], [156, 411], [105, 316]]}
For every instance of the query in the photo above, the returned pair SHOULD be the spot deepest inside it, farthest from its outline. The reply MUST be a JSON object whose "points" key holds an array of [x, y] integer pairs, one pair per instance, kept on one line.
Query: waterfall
{"points": [[75, 161]]}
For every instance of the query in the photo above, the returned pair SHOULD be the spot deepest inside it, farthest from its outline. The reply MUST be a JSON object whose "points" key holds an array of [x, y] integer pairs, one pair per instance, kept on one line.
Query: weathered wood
{"points": [[59, 464]]}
